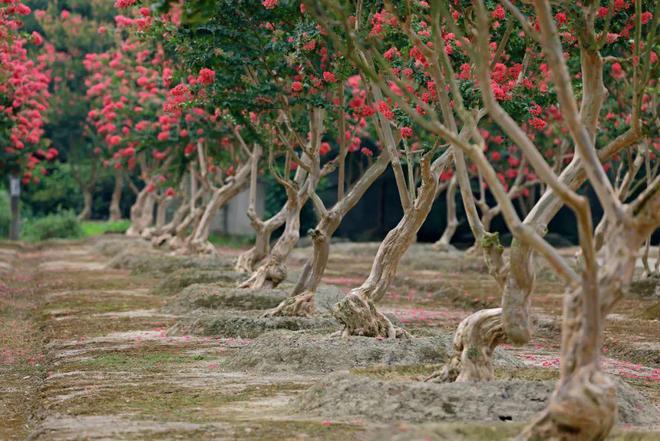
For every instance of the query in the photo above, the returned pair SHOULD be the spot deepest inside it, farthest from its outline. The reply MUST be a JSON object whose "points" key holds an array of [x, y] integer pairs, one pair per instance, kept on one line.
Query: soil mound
{"points": [[112, 245], [247, 324], [220, 296], [345, 395], [304, 351], [154, 263], [174, 283], [313, 352]]}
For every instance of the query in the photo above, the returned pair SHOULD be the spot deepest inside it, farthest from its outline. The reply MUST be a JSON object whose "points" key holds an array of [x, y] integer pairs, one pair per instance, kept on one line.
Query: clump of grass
{"points": [[98, 228], [63, 225]]}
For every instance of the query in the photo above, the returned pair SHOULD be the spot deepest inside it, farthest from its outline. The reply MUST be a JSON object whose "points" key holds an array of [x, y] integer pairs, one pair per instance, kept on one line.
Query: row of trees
{"points": [[527, 105]]}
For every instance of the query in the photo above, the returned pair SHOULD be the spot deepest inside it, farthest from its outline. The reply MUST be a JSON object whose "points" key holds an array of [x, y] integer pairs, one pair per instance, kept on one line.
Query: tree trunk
{"points": [[444, 243], [86, 212], [583, 406], [136, 213], [115, 209], [15, 193], [357, 311], [161, 213], [273, 270], [167, 231], [247, 261], [301, 302], [199, 241]]}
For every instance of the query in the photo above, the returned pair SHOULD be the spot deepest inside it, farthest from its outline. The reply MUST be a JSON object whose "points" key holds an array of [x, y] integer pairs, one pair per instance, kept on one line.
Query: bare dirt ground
{"points": [[88, 351]]}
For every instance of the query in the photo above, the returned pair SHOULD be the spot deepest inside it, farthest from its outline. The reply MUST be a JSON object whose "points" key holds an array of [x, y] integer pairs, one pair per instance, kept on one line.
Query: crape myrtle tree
{"points": [[567, 54], [126, 87], [24, 98], [157, 119], [25, 76], [356, 120], [269, 125], [287, 119], [77, 28]]}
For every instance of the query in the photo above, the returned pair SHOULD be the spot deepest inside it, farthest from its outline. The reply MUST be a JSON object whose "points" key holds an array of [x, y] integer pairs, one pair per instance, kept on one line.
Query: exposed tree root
{"points": [[301, 305], [268, 275], [360, 317], [475, 339], [583, 407]]}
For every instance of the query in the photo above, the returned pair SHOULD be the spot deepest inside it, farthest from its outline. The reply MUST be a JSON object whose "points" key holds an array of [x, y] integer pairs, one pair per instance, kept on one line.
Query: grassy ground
{"points": [[97, 228]]}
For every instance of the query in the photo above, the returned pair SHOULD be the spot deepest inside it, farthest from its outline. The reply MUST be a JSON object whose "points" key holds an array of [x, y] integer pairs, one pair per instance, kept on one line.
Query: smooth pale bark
{"points": [[199, 240], [518, 282], [583, 406], [86, 212], [444, 243], [247, 262], [273, 270], [115, 208], [357, 311], [301, 303], [165, 233], [161, 212], [142, 213]]}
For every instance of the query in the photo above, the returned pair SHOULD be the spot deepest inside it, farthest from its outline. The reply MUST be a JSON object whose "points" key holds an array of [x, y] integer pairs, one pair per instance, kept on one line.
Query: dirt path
{"points": [[86, 355], [104, 367]]}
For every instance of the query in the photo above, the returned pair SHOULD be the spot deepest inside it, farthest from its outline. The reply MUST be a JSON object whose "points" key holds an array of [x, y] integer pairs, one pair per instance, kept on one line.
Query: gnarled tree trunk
{"points": [[273, 270], [444, 243], [301, 302], [198, 241], [357, 311], [86, 212], [583, 406], [141, 213], [115, 208]]}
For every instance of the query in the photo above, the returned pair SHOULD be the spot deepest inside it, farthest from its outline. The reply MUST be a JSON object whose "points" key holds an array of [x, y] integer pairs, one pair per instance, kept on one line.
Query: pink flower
{"points": [[206, 76], [561, 18], [124, 3], [617, 71], [366, 152], [499, 13], [538, 123], [114, 140], [296, 86], [329, 77], [170, 192], [406, 132], [646, 16], [325, 148], [37, 38], [269, 4]]}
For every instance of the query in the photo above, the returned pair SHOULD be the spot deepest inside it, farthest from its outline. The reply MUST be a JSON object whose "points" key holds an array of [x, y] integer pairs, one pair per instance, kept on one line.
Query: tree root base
{"points": [[361, 318], [475, 339], [582, 408], [269, 275], [301, 305]]}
